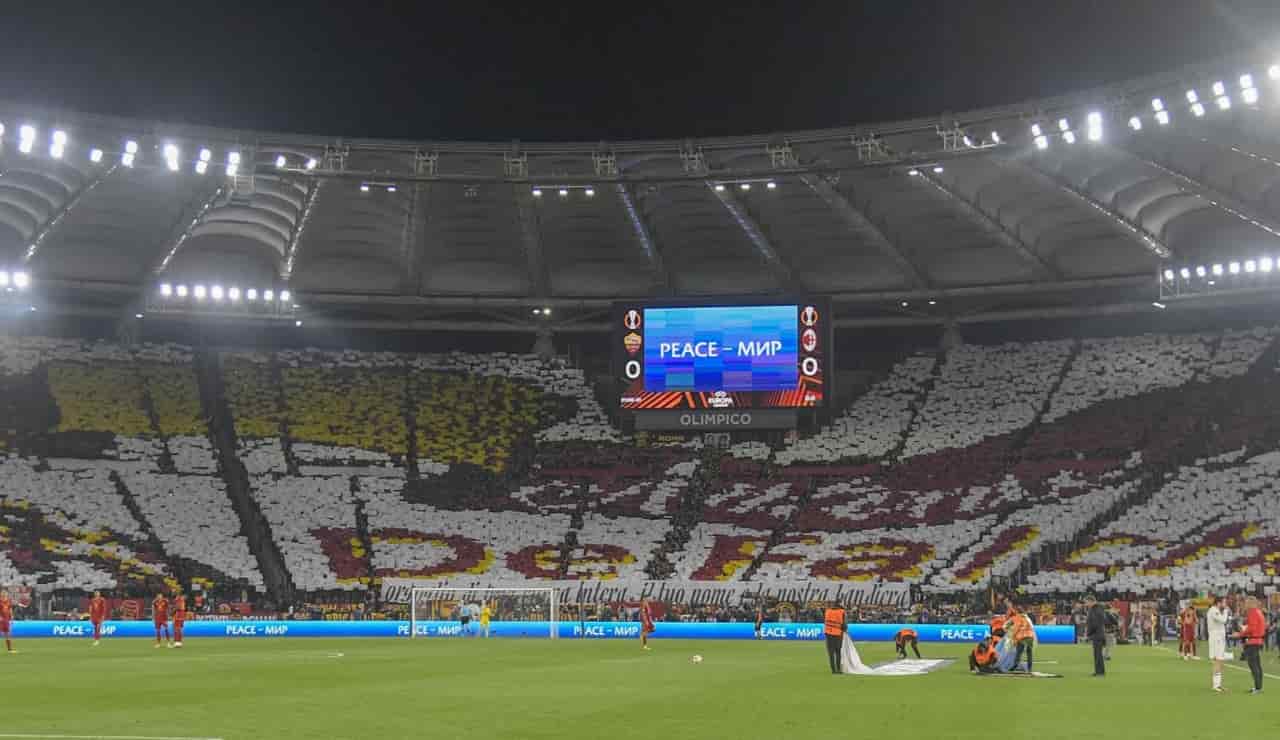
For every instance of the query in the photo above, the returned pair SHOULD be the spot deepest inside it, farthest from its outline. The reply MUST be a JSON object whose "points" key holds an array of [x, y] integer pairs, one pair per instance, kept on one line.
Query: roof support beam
{"points": [[1140, 236], [295, 239], [858, 222], [781, 271], [532, 241], [37, 239], [992, 226], [1222, 200], [644, 236], [415, 246], [186, 222]]}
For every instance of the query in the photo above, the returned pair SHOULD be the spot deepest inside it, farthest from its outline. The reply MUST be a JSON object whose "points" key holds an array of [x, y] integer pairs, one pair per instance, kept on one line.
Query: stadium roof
{"points": [[972, 209]]}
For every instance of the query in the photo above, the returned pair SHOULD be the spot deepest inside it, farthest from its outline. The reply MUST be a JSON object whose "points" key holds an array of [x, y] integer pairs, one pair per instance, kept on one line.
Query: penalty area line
{"points": [[38, 736]]}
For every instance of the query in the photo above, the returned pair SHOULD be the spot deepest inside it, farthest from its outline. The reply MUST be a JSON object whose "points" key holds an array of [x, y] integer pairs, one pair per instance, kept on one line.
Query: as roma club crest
{"points": [[632, 342]]}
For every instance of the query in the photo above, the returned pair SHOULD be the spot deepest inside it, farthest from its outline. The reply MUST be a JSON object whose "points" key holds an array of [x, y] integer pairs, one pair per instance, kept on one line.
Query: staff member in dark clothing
{"points": [[1096, 631], [833, 627]]}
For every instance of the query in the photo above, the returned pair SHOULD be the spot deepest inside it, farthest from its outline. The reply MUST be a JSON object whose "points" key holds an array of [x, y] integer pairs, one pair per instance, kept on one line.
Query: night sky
{"points": [[605, 70]]}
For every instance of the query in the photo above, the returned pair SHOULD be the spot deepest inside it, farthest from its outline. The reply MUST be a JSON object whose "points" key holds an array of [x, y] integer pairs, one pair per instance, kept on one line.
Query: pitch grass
{"points": [[485, 690]]}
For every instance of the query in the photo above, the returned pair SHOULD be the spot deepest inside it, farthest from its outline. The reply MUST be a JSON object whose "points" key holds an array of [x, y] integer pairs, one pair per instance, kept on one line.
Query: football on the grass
{"points": [[696, 659]]}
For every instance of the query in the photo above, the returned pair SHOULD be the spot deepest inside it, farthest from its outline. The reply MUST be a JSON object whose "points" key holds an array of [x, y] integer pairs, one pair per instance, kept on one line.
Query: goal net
{"points": [[466, 612]]}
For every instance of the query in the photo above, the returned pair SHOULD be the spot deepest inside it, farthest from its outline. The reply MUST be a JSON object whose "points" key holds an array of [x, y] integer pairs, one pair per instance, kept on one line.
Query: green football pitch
{"points": [[483, 690]]}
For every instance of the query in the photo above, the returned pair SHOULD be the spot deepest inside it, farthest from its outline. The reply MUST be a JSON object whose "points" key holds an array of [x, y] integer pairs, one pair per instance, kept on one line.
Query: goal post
{"points": [[461, 608]]}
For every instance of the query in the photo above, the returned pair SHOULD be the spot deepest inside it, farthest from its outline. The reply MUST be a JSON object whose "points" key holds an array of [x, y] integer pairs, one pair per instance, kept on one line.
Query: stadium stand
{"points": [[1060, 465]]}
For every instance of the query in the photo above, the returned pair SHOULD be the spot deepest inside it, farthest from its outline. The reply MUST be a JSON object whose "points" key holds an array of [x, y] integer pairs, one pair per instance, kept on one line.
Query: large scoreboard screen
{"points": [[737, 355]]}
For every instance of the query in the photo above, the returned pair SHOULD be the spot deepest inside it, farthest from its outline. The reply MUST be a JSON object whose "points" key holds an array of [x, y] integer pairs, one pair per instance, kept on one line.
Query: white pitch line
{"points": [[35, 736], [1225, 663]]}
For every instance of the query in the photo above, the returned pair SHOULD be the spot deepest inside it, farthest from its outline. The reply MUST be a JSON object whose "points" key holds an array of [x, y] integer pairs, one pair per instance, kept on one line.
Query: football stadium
{"points": [[955, 426]]}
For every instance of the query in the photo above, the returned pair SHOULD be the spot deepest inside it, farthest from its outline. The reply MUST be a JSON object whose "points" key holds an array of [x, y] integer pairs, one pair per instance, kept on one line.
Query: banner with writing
{"points": [[687, 593]]}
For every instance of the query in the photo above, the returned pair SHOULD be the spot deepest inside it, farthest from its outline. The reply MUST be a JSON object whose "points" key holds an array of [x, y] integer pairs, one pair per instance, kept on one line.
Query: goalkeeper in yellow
{"points": [[486, 613]]}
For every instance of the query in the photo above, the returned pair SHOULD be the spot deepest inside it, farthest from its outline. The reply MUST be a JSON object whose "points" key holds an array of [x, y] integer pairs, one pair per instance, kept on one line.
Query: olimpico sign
{"points": [[689, 593], [716, 420]]}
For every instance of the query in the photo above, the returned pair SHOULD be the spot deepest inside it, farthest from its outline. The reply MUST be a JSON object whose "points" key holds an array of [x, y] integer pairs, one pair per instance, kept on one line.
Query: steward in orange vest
{"points": [[833, 628]]}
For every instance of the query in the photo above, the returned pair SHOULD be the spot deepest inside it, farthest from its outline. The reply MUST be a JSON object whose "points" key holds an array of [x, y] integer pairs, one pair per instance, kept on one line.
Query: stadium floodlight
{"points": [[1158, 305], [1197, 109], [233, 163], [1224, 103], [564, 192], [1249, 95], [21, 280], [1157, 104], [933, 303], [199, 292], [202, 167], [771, 185], [130, 152], [364, 187], [1, 128], [166, 290], [58, 144], [95, 155], [391, 188], [906, 304], [171, 157], [744, 186], [298, 323], [1233, 268], [1219, 88], [1216, 270], [181, 290], [216, 292], [281, 162], [719, 187], [1095, 126], [311, 163], [1135, 123], [1042, 142], [1250, 266], [285, 296], [546, 310], [1064, 124], [913, 172], [995, 137], [1274, 71], [1265, 264], [251, 294], [26, 138], [1036, 130], [937, 169], [4, 279], [1200, 271], [1184, 273], [233, 293], [1069, 137], [1246, 81], [967, 141], [137, 316], [1168, 276], [589, 192], [537, 192], [1193, 96], [1162, 117], [268, 295]]}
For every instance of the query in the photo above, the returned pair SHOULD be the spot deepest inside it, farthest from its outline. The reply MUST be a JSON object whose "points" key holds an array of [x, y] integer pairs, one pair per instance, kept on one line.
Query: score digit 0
{"points": [[632, 369], [809, 366]]}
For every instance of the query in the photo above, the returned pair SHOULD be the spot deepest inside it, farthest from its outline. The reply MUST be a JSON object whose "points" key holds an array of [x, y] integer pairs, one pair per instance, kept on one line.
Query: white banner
{"points": [[689, 593]]}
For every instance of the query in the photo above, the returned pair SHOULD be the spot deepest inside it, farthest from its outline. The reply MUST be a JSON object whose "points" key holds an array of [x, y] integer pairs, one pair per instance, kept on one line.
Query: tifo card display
{"points": [[723, 356]]}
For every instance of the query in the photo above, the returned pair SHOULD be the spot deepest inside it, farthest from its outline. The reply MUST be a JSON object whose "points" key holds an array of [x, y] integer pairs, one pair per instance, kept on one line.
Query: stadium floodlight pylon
{"points": [[532, 604]]}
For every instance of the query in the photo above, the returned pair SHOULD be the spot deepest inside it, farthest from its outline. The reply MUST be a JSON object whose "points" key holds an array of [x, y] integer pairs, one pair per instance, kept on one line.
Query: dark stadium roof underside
{"points": [[967, 210]]}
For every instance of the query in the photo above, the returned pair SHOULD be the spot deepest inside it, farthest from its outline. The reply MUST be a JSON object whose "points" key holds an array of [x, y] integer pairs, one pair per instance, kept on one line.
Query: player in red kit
{"points": [[646, 624], [179, 617], [6, 620], [1187, 632], [160, 615], [97, 615]]}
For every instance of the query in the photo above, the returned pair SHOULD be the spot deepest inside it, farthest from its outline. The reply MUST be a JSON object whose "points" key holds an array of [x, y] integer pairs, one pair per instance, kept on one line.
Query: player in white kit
{"points": [[1216, 618]]}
